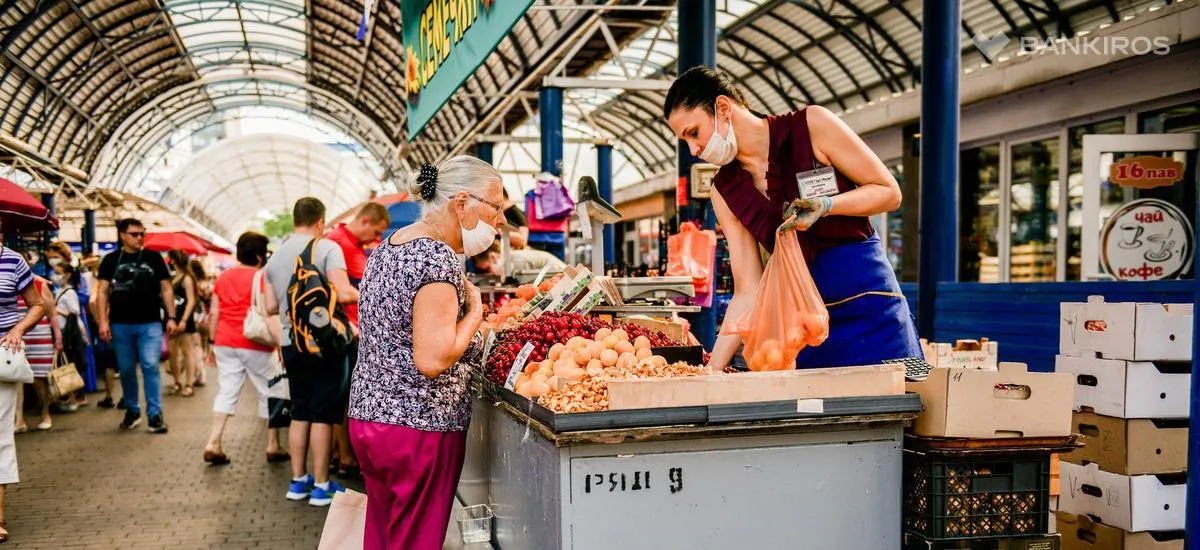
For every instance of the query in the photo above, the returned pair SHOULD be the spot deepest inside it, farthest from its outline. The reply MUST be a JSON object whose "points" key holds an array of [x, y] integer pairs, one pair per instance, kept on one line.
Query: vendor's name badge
{"points": [[821, 182]]}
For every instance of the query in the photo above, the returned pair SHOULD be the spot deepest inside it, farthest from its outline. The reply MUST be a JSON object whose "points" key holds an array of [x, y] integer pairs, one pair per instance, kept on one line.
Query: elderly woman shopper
{"points": [[16, 282], [409, 402], [238, 357]]}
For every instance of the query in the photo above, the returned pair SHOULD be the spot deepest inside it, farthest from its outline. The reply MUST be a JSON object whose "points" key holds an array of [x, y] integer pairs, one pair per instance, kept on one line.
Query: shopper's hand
{"points": [[172, 328], [106, 333], [801, 214], [14, 340], [58, 344], [474, 301]]}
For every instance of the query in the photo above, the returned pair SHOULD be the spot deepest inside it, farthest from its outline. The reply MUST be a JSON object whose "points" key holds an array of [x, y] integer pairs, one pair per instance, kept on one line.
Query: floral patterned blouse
{"points": [[387, 387]]}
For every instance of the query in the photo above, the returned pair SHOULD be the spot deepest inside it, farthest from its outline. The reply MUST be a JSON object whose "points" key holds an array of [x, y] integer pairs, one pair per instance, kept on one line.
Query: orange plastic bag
{"points": [[692, 253], [788, 313]]}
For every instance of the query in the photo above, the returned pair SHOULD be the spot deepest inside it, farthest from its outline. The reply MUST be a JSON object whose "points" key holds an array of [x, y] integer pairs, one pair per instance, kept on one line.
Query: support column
{"points": [[88, 238], [939, 156], [697, 47], [604, 173], [483, 151], [550, 117], [550, 114], [1192, 519]]}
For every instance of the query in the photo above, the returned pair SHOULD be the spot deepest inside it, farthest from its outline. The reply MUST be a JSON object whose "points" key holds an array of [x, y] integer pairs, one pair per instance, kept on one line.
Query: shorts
{"points": [[318, 386]]}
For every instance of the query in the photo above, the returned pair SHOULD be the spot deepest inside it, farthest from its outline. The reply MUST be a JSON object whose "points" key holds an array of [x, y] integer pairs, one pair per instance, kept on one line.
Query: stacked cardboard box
{"points": [[1126, 488]]}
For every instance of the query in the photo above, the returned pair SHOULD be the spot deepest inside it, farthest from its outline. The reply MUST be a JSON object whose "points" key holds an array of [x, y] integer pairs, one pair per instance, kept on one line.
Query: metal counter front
{"points": [[747, 476]]}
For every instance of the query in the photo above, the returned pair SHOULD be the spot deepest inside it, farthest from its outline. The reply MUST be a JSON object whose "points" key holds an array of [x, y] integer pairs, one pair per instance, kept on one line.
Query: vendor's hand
{"points": [[106, 333], [801, 214], [14, 340]]}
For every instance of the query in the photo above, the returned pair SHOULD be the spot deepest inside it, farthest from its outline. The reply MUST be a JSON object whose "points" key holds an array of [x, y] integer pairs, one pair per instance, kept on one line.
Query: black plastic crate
{"points": [[950, 498], [1042, 542]]}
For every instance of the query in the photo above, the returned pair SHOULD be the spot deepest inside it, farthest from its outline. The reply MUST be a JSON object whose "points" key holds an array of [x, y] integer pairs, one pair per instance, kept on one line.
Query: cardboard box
{"points": [[1008, 402], [1129, 331], [944, 355], [1130, 447], [808, 386], [1129, 389], [1132, 503], [1081, 533]]}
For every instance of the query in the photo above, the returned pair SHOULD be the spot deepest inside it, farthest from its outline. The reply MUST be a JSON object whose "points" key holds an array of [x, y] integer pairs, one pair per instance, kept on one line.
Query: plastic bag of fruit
{"points": [[788, 313]]}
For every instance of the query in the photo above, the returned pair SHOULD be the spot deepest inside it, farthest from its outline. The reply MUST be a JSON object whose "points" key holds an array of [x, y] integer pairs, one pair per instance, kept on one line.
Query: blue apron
{"points": [[863, 329]]}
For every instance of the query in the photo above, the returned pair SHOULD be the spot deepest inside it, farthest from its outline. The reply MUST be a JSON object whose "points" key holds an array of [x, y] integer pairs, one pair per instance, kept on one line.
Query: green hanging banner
{"points": [[444, 42]]}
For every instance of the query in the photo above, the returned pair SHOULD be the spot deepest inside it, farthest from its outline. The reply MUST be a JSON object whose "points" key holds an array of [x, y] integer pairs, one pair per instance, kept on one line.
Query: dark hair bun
{"points": [[427, 181]]}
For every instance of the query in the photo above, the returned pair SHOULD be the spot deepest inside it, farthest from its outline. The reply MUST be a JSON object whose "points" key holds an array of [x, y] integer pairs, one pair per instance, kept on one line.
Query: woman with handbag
{"points": [[245, 343], [69, 311], [16, 280]]}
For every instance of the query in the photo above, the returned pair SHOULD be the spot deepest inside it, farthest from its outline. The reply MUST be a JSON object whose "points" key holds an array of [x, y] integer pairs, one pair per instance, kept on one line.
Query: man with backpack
{"points": [[307, 279]]}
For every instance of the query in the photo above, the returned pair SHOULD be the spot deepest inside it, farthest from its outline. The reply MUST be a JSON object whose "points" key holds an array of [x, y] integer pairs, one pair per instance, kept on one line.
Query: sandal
{"points": [[187, 391], [216, 459], [21, 428], [349, 471], [278, 457], [3, 531], [175, 389]]}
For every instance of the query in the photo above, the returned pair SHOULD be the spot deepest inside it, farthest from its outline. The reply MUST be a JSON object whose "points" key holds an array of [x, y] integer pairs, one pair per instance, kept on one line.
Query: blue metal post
{"points": [[1192, 520], [604, 173], [939, 156], [88, 237], [697, 48], [550, 114], [483, 150]]}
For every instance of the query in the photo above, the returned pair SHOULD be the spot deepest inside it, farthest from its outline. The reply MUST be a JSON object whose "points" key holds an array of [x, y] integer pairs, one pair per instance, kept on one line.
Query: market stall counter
{"points": [[731, 475]]}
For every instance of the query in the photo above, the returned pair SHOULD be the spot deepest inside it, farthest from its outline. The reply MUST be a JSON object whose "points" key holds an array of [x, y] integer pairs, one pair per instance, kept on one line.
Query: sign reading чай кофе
{"points": [[444, 42]]}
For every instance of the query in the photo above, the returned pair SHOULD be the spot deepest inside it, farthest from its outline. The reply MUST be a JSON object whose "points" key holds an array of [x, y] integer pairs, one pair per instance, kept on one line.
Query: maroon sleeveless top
{"points": [[791, 153]]}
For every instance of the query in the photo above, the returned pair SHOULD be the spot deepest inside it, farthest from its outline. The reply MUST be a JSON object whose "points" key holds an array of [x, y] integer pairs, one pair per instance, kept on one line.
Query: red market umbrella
{"points": [[176, 240], [21, 211]]}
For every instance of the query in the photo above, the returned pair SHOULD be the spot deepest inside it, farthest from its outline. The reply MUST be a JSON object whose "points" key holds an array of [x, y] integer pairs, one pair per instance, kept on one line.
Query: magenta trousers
{"points": [[411, 476]]}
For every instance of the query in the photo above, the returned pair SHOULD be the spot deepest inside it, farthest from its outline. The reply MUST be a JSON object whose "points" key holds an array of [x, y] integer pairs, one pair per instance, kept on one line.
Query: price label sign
{"points": [[487, 349], [518, 365], [1146, 172]]}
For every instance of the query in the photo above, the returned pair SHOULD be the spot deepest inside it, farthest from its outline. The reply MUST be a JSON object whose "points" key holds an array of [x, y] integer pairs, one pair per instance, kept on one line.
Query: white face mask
{"points": [[55, 261], [720, 150], [478, 238]]}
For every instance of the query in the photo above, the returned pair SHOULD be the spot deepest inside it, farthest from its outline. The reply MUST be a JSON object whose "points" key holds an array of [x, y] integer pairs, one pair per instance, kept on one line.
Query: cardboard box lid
{"points": [[1080, 532], [1001, 403]]}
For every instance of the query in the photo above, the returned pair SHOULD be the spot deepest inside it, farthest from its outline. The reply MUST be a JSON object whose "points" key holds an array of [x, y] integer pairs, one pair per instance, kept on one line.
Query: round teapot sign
{"points": [[1147, 240]]}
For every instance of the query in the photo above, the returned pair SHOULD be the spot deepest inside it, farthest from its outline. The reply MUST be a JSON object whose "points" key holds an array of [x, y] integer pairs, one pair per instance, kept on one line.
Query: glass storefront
{"points": [[979, 217], [1034, 215]]}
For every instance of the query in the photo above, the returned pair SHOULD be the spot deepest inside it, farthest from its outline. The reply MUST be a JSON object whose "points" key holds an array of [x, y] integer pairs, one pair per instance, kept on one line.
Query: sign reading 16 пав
{"points": [[444, 42], [1147, 240]]}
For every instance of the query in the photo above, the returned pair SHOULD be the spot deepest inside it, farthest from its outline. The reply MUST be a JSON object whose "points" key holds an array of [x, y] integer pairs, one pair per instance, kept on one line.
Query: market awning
{"points": [[20, 211]]}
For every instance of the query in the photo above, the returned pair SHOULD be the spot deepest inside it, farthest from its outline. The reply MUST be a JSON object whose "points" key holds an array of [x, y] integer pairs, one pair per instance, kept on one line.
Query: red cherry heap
{"points": [[550, 329]]}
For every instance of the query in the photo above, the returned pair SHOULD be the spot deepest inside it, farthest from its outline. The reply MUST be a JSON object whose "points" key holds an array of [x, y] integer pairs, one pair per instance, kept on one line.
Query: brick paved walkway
{"points": [[84, 484]]}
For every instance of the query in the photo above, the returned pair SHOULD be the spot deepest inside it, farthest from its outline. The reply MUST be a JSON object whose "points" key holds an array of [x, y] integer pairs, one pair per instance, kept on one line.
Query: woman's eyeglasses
{"points": [[498, 207]]}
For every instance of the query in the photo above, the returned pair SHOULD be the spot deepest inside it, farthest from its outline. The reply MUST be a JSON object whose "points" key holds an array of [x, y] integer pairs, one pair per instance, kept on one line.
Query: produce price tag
{"points": [[585, 221], [813, 406], [487, 349], [518, 365]]}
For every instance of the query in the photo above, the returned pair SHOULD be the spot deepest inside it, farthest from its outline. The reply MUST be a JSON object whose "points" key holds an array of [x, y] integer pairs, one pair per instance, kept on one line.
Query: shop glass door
{"points": [[1139, 204]]}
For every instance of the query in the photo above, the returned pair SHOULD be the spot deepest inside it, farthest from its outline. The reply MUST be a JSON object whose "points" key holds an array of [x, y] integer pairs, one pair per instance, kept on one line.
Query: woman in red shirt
{"points": [[238, 357], [811, 160]]}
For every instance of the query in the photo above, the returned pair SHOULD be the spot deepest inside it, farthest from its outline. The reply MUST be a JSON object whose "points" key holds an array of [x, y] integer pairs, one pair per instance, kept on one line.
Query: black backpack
{"points": [[319, 327]]}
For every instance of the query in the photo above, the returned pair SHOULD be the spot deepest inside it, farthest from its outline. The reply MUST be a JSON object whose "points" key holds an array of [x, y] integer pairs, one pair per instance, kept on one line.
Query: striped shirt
{"points": [[15, 277]]}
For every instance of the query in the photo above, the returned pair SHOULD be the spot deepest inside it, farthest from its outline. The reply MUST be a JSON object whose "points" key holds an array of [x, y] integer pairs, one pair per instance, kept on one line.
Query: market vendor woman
{"points": [[810, 155]]}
